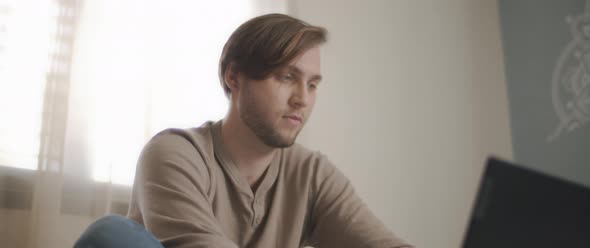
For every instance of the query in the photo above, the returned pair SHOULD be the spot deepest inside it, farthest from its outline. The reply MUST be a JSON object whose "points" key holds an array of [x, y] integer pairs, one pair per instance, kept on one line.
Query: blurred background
{"points": [[416, 95]]}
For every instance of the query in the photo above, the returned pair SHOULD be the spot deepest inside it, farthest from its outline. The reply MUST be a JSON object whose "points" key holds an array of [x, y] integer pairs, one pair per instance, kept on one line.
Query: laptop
{"points": [[519, 207]]}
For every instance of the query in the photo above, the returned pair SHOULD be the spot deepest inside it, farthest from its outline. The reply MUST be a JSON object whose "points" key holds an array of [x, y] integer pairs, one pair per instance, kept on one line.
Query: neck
{"points": [[248, 152]]}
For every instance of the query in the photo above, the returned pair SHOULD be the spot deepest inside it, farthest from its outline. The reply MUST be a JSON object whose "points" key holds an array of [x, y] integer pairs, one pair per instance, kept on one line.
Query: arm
{"points": [[341, 219], [170, 192]]}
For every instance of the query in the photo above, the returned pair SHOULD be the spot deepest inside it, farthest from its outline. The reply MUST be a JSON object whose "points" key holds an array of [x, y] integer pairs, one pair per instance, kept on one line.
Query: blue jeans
{"points": [[116, 231]]}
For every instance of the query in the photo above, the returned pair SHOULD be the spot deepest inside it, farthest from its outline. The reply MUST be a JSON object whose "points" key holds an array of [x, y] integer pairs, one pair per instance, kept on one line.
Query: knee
{"points": [[108, 230], [112, 223]]}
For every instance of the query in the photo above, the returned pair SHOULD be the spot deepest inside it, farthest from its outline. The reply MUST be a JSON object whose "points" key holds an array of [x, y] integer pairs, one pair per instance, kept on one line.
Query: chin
{"points": [[280, 142], [283, 143]]}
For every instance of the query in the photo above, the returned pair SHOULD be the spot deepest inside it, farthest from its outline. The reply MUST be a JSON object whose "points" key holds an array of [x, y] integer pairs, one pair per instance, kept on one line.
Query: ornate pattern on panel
{"points": [[571, 78]]}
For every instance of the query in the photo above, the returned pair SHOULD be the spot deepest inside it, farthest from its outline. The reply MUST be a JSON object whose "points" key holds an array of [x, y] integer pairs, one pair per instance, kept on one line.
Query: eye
{"points": [[287, 77], [313, 86]]}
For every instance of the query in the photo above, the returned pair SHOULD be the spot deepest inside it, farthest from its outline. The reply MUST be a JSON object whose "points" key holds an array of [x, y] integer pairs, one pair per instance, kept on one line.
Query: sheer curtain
{"points": [[86, 88]]}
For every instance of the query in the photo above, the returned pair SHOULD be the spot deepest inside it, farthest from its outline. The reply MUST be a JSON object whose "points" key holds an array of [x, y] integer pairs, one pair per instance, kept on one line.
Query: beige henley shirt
{"points": [[189, 193]]}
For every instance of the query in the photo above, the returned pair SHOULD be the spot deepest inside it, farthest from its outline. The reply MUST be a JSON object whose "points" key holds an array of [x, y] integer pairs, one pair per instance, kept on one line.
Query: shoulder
{"points": [[188, 150], [183, 141], [298, 156], [198, 136], [311, 164]]}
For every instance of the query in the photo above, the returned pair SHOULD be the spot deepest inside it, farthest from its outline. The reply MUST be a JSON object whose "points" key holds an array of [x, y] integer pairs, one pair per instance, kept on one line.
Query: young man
{"points": [[242, 181]]}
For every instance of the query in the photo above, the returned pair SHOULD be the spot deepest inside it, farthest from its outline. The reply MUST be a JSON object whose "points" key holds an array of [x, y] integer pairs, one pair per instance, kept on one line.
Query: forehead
{"points": [[308, 62]]}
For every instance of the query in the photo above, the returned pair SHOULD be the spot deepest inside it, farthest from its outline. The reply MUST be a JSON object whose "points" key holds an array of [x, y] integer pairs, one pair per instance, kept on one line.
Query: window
{"points": [[135, 69], [26, 29]]}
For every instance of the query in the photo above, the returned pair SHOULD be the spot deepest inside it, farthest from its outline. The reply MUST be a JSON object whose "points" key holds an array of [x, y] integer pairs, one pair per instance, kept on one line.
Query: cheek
{"points": [[279, 99], [312, 101], [268, 105]]}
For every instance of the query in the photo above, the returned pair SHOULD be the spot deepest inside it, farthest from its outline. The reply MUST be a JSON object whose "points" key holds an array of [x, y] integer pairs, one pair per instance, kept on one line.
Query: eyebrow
{"points": [[316, 77]]}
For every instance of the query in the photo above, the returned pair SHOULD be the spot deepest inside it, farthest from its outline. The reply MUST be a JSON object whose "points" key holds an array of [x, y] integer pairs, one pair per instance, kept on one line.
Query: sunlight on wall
{"points": [[26, 31], [137, 68], [152, 67]]}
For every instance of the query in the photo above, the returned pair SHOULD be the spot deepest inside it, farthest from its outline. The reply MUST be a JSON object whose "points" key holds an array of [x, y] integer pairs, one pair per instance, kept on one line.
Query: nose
{"points": [[300, 97]]}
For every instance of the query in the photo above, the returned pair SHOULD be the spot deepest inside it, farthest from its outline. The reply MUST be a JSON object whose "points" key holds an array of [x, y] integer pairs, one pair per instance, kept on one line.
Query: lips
{"points": [[294, 118]]}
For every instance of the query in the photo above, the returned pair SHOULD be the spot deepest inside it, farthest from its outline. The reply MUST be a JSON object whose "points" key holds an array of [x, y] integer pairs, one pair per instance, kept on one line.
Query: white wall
{"points": [[413, 100]]}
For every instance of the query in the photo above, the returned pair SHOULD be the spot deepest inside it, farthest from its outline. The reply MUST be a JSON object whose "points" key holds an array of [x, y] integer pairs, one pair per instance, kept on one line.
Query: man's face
{"points": [[276, 108]]}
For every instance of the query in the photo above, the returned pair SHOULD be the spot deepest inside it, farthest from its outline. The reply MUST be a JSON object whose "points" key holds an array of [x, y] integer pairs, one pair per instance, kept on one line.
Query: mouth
{"points": [[294, 118]]}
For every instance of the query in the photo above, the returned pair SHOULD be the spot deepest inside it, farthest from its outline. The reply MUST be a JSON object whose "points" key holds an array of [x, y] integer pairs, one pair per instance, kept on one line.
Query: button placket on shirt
{"points": [[258, 212], [259, 203]]}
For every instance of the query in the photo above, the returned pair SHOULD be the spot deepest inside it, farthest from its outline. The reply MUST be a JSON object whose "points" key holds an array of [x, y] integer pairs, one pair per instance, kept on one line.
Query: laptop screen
{"points": [[519, 207]]}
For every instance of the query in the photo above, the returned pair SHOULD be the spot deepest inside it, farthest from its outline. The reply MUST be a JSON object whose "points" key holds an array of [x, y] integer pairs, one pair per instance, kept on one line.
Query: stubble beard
{"points": [[269, 135]]}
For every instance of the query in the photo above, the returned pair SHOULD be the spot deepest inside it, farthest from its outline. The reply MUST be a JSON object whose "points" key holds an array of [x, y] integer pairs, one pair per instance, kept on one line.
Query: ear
{"points": [[231, 78]]}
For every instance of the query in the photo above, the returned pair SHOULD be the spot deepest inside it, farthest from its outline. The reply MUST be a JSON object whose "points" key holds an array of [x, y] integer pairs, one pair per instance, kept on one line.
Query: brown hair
{"points": [[265, 43]]}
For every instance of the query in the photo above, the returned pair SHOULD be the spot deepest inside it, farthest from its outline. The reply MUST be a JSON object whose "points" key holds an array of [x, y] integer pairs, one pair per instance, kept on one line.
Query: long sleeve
{"points": [[341, 219], [170, 195]]}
